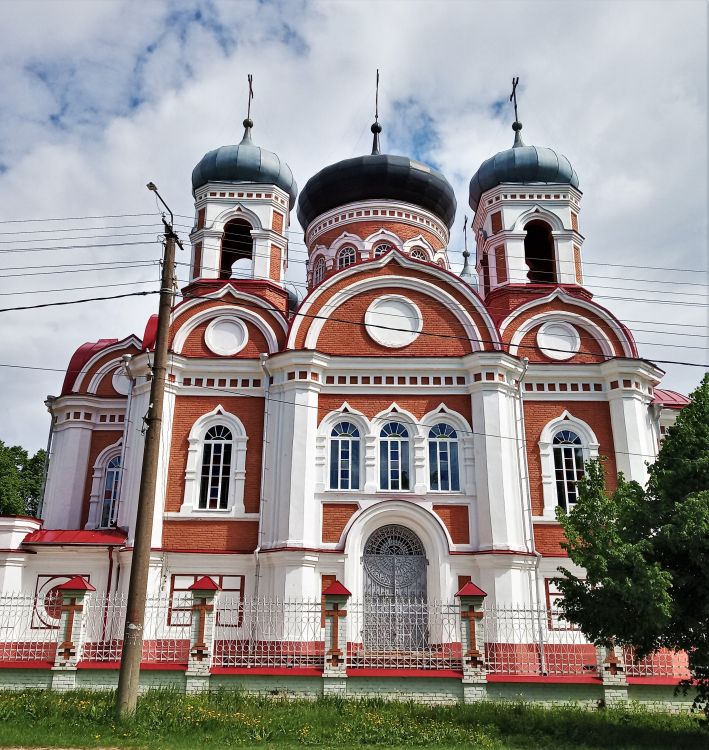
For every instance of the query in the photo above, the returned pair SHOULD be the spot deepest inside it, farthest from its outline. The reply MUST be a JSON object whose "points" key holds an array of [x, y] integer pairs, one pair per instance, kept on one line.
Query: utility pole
{"points": [[128, 678]]}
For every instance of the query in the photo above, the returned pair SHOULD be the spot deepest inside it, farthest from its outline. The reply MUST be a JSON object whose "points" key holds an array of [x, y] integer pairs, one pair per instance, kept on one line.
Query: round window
{"points": [[393, 321], [558, 340], [226, 336]]}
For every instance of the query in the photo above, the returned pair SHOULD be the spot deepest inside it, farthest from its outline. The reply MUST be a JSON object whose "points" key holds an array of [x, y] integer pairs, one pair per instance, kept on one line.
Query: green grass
{"points": [[167, 719]]}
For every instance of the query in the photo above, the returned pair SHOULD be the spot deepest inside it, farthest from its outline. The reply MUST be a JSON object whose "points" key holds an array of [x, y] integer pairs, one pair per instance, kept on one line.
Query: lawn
{"points": [[166, 720]]}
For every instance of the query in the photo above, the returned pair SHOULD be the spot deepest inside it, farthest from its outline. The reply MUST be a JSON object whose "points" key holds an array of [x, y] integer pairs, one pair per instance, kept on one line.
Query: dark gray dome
{"points": [[245, 162], [377, 176], [521, 164]]}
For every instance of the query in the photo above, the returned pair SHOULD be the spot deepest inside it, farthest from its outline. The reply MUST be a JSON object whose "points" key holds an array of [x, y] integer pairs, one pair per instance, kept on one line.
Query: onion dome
{"points": [[245, 162], [377, 176], [521, 164]]}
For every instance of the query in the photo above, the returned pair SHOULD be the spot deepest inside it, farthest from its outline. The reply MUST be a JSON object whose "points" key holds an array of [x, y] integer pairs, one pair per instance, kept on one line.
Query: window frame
{"points": [[114, 500], [453, 447], [397, 448], [352, 444], [319, 270], [221, 460], [346, 257]]}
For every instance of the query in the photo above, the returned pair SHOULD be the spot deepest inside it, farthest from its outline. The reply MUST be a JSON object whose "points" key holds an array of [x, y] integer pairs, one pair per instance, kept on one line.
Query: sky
{"points": [[101, 97]]}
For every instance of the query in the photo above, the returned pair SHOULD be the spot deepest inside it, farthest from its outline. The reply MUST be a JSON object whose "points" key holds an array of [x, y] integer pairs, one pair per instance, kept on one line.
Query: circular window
{"points": [[121, 382], [393, 321], [558, 340], [226, 336]]}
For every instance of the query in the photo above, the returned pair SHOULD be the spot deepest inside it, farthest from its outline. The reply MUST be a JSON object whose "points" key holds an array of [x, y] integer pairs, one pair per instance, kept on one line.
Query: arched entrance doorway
{"points": [[394, 563]]}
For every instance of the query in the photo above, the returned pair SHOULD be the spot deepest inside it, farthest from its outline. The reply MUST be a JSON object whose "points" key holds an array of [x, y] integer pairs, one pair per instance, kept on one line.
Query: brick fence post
{"points": [[472, 635], [199, 664], [611, 667], [71, 632], [335, 670]]}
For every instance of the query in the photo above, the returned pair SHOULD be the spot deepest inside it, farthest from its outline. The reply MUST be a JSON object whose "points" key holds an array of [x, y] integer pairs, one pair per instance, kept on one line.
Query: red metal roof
{"points": [[669, 399], [470, 589], [336, 589], [151, 332], [80, 357], [205, 583], [77, 583], [76, 536]]}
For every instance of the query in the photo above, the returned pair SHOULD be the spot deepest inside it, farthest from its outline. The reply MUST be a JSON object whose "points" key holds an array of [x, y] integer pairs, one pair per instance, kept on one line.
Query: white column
{"points": [[633, 438]]}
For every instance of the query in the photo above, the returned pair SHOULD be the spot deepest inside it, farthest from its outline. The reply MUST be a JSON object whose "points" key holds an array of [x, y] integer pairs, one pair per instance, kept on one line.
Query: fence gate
{"points": [[395, 617]]}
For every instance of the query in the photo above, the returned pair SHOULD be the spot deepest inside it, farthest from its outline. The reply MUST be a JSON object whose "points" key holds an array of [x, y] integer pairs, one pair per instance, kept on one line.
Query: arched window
{"points": [[237, 250], [568, 466], [109, 496], [319, 271], [440, 262], [539, 253], [216, 469], [418, 254], [344, 457], [443, 464], [346, 257], [381, 248], [394, 457]]}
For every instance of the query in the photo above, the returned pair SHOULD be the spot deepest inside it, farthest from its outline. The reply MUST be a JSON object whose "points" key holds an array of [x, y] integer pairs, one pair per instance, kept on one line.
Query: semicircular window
{"points": [[568, 467], [216, 468], [346, 257]]}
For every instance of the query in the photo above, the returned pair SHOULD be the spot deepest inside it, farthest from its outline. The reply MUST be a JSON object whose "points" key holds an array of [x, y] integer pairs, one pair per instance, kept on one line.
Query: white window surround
{"points": [[235, 502], [98, 481], [382, 237], [466, 456], [322, 446], [590, 450]]}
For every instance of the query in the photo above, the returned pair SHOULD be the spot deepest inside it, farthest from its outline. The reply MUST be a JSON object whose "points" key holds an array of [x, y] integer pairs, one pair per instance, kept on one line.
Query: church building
{"points": [[400, 428]]}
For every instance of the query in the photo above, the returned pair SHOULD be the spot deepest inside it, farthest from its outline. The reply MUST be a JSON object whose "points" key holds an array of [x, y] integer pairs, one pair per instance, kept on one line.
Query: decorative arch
{"points": [[236, 212], [195, 441], [98, 487], [422, 522], [590, 446], [346, 238], [424, 244], [379, 237], [323, 458], [538, 213], [466, 454]]}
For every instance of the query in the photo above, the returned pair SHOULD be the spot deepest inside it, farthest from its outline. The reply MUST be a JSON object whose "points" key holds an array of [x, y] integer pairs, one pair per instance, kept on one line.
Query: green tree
{"points": [[645, 551], [20, 480]]}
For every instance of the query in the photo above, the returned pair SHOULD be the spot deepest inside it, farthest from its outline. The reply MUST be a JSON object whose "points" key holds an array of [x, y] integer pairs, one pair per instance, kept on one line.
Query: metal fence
{"points": [[270, 633]]}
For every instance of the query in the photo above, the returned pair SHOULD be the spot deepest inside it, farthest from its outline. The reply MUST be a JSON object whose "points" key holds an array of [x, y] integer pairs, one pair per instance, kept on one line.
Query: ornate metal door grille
{"points": [[394, 563]]}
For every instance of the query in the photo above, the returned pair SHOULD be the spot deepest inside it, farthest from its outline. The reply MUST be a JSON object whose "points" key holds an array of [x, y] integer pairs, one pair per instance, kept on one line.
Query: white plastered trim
{"points": [[540, 213], [579, 321], [380, 236], [224, 311], [565, 421], [346, 238], [419, 241], [235, 501], [237, 211], [118, 346], [102, 372], [403, 260], [561, 295]]}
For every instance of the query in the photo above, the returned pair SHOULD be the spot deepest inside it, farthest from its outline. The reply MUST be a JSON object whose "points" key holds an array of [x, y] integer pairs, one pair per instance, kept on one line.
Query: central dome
{"points": [[377, 176]]}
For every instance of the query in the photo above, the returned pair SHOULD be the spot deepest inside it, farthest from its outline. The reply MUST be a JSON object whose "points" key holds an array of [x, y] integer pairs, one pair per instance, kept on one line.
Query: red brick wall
{"points": [[371, 405], [195, 346], [500, 266], [455, 518], [496, 222], [589, 350], [278, 222], [220, 536], [100, 440], [187, 410], [548, 539], [538, 413], [334, 519], [364, 229], [274, 268], [197, 267]]}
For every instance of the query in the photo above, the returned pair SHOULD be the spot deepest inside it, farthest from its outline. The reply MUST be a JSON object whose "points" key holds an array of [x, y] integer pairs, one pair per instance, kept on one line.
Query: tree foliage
{"points": [[20, 480], [645, 551]]}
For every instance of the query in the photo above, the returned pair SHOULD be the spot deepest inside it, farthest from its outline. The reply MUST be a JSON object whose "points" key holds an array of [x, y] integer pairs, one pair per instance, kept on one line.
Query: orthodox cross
{"points": [[513, 95], [199, 650], [376, 99], [465, 235], [472, 616], [335, 613], [250, 79], [67, 648]]}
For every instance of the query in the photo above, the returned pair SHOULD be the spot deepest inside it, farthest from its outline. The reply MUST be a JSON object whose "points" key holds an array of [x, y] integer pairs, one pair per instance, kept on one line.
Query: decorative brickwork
{"points": [[500, 265], [197, 266], [206, 536], [334, 519], [371, 405], [278, 220], [496, 222], [455, 517], [274, 270]]}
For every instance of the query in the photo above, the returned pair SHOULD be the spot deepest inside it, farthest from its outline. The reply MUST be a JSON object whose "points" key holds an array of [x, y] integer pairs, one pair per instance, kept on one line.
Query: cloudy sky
{"points": [[100, 97]]}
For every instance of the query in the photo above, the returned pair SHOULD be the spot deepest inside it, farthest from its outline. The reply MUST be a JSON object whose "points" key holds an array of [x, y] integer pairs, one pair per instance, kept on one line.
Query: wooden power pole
{"points": [[129, 675]]}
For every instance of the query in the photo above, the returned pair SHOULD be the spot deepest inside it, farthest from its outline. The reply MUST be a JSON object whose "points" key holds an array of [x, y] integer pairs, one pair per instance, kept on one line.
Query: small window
{"points": [[418, 254], [216, 469], [443, 465], [346, 257], [344, 457], [383, 247], [394, 457], [568, 467], [319, 271], [539, 253], [237, 250], [111, 489]]}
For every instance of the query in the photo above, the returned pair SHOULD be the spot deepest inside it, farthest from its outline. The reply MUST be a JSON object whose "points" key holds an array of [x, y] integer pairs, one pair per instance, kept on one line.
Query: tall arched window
{"points": [[346, 257], [539, 253], [443, 464], [216, 469], [568, 466], [109, 496], [394, 457], [344, 457], [381, 248], [237, 250], [418, 254], [318, 271]]}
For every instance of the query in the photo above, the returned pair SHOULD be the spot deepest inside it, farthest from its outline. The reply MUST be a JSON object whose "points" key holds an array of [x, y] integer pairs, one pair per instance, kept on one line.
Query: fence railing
{"points": [[269, 633]]}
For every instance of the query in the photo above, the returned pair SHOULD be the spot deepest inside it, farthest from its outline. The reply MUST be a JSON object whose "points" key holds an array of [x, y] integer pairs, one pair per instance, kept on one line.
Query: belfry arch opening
{"points": [[539, 253], [237, 250]]}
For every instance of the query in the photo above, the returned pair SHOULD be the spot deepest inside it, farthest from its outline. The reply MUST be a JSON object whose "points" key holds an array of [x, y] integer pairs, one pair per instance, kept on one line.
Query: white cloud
{"points": [[140, 91]]}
